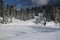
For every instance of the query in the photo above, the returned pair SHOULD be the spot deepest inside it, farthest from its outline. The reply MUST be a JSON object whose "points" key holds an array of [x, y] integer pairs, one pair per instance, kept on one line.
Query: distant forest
{"points": [[51, 13]]}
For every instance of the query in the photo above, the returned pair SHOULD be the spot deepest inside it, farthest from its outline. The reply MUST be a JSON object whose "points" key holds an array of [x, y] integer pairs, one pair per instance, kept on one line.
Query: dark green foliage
{"points": [[1, 8]]}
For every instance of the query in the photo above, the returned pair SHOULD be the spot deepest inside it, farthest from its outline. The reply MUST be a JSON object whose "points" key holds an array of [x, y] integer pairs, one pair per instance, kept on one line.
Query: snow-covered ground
{"points": [[28, 30], [17, 32]]}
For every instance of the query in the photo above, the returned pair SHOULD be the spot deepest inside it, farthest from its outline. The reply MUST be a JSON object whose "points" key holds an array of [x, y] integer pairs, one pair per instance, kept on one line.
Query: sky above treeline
{"points": [[30, 3]]}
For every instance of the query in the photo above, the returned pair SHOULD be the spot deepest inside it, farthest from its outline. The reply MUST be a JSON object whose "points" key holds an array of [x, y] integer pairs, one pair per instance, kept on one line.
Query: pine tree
{"points": [[1, 10]]}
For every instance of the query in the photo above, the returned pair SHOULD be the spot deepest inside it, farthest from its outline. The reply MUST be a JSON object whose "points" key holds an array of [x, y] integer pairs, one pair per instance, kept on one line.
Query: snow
{"points": [[0, 18], [14, 32], [19, 22], [52, 24], [32, 22], [28, 30]]}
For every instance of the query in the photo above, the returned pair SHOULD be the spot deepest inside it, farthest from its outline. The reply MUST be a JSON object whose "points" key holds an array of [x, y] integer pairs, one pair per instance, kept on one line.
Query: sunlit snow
{"points": [[28, 30]]}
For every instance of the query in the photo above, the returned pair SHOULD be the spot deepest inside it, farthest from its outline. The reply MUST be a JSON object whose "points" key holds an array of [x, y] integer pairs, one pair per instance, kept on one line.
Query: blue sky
{"points": [[30, 3], [19, 3]]}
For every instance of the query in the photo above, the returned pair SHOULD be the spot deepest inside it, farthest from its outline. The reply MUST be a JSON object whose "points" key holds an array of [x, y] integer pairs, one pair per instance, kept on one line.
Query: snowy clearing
{"points": [[14, 32], [28, 30]]}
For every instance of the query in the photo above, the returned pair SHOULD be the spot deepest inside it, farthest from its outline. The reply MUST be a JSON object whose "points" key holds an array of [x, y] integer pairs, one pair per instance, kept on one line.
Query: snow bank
{"points": [[52, 24], [19, 22], [31, 23]]}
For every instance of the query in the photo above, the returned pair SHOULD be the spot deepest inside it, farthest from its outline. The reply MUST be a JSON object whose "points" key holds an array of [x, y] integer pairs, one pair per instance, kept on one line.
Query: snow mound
{"points": [[31, 23], [50, 24], [20, 22]]}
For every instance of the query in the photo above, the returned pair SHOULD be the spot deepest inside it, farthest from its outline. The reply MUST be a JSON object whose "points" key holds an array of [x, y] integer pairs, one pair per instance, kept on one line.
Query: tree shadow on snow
{"points": [[20, 33], [45, 29]]}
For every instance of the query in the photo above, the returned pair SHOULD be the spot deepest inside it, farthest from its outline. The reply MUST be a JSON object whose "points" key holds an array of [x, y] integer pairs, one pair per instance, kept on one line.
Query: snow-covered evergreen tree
{"points": [[39, 18]]}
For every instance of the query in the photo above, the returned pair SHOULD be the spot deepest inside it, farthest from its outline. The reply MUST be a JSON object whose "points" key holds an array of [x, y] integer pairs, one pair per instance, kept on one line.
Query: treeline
{"points": [[50, 12], [10, 11]]}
